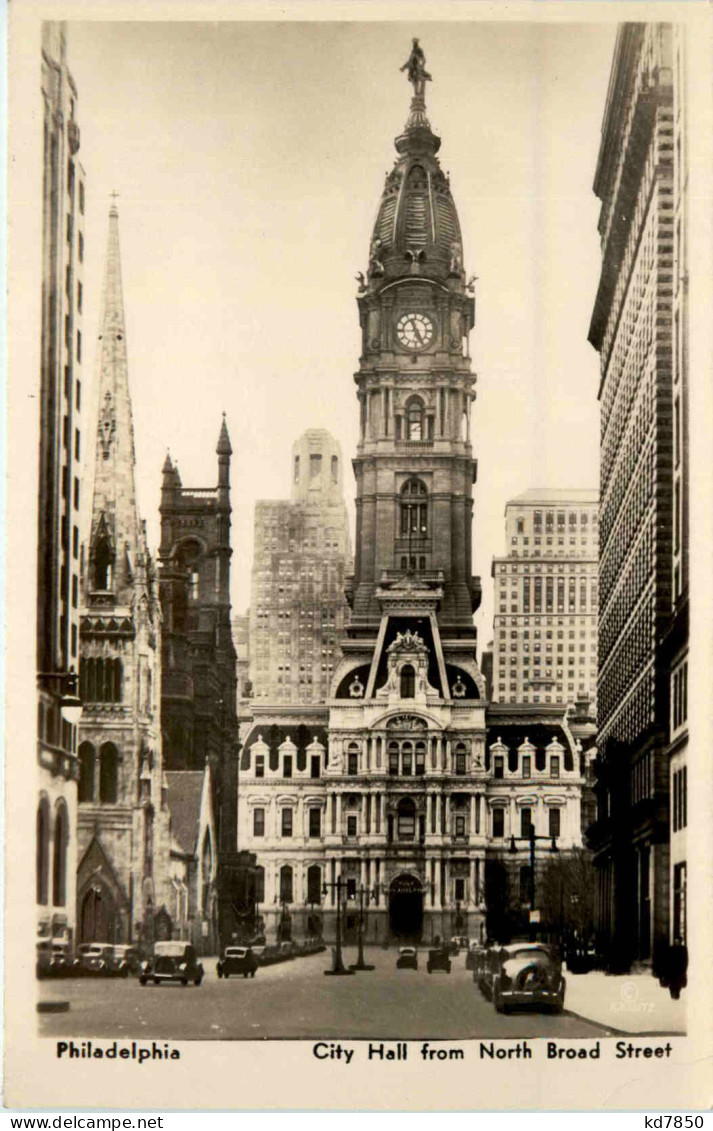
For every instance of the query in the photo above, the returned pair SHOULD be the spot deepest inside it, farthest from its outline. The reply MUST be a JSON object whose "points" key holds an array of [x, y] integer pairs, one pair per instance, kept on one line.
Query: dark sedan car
{"points": [[439, 959], [524, 974], [172, 962], [408, 957], [237, 960]]}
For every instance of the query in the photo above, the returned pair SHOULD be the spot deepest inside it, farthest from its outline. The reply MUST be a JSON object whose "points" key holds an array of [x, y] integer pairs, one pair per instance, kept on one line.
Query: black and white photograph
{"points": [[353, 386]]}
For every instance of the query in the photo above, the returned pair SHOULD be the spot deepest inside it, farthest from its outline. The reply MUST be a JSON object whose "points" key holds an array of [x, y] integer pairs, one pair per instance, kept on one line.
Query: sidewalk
{"points": [[632, 1003]]}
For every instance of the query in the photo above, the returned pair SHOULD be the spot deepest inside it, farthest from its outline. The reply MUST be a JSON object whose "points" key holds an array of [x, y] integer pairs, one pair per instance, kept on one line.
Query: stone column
{"points": [[471, 810], [382, 806], [338, 803], [437, 884], [428, 813]]}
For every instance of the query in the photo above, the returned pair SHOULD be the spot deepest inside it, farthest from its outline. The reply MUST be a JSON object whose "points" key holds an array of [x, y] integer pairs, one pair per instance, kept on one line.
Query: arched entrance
{"points": [[406, 907], [97, 917]]}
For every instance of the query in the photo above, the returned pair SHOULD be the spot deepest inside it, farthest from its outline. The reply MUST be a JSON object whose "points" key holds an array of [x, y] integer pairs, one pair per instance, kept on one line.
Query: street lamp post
{"points": [[338, 968], [368, 894], [531, 837]]}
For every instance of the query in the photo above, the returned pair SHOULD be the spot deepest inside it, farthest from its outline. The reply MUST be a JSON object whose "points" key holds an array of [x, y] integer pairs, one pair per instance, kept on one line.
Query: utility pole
{"points": [[338, 968]]}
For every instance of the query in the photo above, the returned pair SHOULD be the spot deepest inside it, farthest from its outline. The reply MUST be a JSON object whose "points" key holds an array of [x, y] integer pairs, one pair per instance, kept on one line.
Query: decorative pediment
{"points": [[406, 722], [408, 642]]}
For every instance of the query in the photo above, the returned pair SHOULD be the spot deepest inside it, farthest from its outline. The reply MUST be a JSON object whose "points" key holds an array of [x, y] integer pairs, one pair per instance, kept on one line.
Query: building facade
{"points": [[302, 553], [546, 598], [639, 329], [122, 825], [400, 799], [199, 681], [193, 866], [59, 495]]}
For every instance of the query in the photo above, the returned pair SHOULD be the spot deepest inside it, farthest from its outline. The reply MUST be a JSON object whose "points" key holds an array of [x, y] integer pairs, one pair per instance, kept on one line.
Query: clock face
{"points": [[415, 331]]}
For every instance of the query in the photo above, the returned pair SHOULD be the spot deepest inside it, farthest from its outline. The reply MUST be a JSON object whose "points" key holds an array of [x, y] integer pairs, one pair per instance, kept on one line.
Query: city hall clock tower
{"points": [[405, 807]]}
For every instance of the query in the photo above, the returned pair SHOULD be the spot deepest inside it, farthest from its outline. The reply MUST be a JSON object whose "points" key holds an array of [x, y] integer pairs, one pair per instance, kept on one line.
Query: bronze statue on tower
{"points": [[418, 76]]}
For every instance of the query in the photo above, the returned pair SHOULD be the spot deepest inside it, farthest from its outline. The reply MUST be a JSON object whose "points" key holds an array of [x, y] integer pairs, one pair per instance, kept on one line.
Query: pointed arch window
{"points": [[43, 850], [108, 774], [408, 682], [59, 861], [86, 772], [414, 509], [103, 565]]}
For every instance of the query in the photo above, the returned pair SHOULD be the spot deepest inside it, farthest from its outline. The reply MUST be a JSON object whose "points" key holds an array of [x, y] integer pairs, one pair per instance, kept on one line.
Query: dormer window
{"points": [[554, 766], [498, 766]]}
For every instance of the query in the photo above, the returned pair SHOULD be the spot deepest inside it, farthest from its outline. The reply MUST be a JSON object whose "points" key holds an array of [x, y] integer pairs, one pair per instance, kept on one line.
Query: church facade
{"points": [[407, 801]]}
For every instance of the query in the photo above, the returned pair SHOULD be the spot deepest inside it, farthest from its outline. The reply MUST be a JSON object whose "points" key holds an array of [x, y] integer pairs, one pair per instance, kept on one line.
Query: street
{"points": [[295, 1000]]}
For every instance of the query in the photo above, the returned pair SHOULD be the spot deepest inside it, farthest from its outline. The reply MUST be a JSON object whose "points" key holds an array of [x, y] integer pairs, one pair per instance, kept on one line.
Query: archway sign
{"points": [[406, 907]]}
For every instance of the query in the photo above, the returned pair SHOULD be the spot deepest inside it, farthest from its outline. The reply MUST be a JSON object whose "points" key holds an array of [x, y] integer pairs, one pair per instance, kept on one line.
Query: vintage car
{"points": [[458, 943], [172, 962], [125, 960], [523, 974], [54, 960], [439, 959], [475, 958], [408, 957], [96, 959], [237, 960]]}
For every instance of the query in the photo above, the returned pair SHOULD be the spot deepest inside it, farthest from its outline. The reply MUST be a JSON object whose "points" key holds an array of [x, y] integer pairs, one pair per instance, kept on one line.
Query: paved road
{"points": [[295, 1000]]}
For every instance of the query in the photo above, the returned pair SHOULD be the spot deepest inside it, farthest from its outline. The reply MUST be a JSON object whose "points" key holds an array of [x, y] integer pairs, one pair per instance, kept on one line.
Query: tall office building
{"points": [[60, 455], [123, 843], [639, 328], [546, 585], [409, 800], [302, 553]]}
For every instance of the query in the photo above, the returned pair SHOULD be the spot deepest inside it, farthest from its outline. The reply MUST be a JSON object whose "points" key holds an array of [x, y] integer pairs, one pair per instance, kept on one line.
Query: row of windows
{"points": [[100, 680], [554, 822], [315, 768]]}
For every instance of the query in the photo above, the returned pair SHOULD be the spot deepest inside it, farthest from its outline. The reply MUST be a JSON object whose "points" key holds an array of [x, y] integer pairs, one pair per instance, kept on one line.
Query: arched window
{"points": [[420, 767], [460, 755], [86, 772], [259, 884], [286, 895], [314, 884], [103, 565], [108, 774], [406, 819], [408, 682], [353, 758], [415, 419], [414, 510], [393, 757], [43, 850], [59, 860]]}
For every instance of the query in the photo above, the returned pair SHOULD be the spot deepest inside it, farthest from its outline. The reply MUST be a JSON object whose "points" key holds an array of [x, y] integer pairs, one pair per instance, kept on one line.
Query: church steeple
{"points": [[116, 542]]}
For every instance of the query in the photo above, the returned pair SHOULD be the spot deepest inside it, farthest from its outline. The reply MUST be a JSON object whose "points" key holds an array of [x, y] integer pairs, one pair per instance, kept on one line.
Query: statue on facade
{"points": [[415, 65], [376, 267]]}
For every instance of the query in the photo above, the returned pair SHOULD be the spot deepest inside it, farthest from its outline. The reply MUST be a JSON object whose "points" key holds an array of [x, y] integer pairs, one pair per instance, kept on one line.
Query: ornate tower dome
{"points": [[417, 223]]}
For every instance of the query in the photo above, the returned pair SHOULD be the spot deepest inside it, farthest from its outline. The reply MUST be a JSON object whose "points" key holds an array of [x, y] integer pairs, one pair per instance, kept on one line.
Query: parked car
{"points": [[125, 960], [172, 962], [439, 959], [54, 960], [524, 974], [96, 959], [475, 958], [237, 960], [408, 957]]}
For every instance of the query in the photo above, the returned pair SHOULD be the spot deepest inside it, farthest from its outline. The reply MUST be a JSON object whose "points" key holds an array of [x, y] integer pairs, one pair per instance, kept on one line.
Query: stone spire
{"points": [[116, 532]]}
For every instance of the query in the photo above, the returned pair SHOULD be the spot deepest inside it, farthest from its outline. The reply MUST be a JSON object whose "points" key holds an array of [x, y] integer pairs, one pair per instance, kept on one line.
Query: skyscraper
{"points": [[123, 820], [59, 501], [639, 328], [545, 621], [302, 553]]}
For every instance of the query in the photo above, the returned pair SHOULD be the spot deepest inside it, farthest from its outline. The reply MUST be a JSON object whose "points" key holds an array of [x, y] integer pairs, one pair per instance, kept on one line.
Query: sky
{"points": [[249, 160]]}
